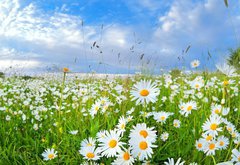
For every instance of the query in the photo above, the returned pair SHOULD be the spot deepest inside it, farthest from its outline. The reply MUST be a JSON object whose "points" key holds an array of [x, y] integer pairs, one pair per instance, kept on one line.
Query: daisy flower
{"points": [[161, 116], [90, 142], [124, 158], [188, 107], [49, 154], [211, 126], [195, 63], [216, 109], [111, 144], [176, 123], [90, 153], [122, 124], [95, 108], [226, 69], [171, 162], [143, 131], [235, 156], [74, 132], [210, 147], [144, 92], [222, 142], [164, 136], [141, 148], [200, 143]]}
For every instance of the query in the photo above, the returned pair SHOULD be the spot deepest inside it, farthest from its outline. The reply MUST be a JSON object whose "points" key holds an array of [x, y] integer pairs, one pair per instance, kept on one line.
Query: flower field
{"points": [[188, 119]]}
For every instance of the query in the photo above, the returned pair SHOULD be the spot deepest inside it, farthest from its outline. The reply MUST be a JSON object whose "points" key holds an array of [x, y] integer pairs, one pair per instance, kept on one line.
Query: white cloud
{"points": [[203, 24], [18, 64]]}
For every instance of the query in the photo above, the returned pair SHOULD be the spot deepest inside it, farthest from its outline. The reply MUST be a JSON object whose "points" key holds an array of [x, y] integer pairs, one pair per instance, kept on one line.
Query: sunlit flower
{"points": [[65, 70], [124, 158], [90, 153], [195, 63], [212, 125], [161, 116], [144, 92], [236, 156], [222, 142], [226, 69], [210, 147], [164, 136], [49, 154], [171, 162], [111, 144]]}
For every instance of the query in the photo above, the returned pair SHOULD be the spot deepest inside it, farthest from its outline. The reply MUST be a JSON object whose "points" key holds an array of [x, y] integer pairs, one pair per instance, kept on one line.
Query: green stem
{"points": [[214, 161]]}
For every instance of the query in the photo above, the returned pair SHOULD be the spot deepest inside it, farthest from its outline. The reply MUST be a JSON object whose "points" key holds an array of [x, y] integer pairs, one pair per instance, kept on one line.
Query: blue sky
{"points": [[45, 35]]}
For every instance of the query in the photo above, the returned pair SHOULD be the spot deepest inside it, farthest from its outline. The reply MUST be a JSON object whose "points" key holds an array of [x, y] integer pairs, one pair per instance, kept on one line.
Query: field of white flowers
{"points": [[188, 119]]}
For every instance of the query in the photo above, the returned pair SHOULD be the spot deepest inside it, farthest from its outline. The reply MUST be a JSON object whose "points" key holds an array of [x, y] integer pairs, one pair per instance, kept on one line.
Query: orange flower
{"points": [[65, 70]]}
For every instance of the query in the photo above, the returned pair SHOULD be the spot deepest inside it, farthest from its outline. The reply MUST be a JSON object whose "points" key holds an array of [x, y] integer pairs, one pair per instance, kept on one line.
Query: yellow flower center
{"points": [[233, 134], [199, 145], [209, 137], [143, 145], [213, 126], [211, 146], [162, 117], [89, 144], [221, 143], [196, 86], [143, 133], [239, 158], [144, 92], [175, 124], [217, 111], [122, 126], [189, 108], [65, 70], [225, 82], [96, 108], [50, 156], [112, 143], [90, 155], [126, 156]]}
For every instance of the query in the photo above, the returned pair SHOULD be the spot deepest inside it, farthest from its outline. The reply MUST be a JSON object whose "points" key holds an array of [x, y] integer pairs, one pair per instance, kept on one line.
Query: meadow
{"points": [[139, 119]]}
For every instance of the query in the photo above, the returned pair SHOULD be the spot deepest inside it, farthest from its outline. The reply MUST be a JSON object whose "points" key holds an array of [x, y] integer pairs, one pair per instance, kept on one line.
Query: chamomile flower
{"points": [[111, 144], [222, 142], [164, 136], [216, 109], [49, 154], [144, 92], [95, 108], [124, 158], [143, 131], [171, 162], [73, 132], [195, 63], [188, 107], [122, 124], [90, 153], [235, 156], [210, 147], [226, 69], [161, 116], [176, 123], [212, 125], [89, 142], [141, 148], [200, 143]]}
